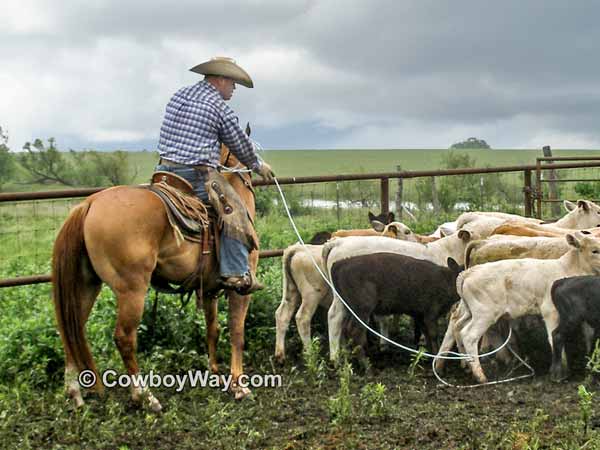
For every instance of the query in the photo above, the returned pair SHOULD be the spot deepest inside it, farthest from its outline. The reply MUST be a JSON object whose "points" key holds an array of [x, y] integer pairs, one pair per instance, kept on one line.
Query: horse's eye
{"points": [[595, 252], [406, 231]]}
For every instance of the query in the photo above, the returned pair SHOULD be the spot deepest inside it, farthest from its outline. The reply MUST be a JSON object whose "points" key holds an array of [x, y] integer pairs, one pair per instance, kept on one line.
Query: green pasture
{"points": [[289, 163]]}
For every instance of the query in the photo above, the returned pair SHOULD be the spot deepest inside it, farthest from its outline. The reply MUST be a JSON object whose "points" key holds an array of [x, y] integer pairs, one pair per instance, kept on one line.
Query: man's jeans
{"points": [[234, 254]]}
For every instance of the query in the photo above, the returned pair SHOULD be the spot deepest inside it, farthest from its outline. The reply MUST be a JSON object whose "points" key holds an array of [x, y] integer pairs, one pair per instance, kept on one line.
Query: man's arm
{"points": [[238, 142]]}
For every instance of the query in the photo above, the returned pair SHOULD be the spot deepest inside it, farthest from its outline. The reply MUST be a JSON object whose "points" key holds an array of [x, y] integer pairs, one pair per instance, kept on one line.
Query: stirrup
{"points": [[243, 285]]}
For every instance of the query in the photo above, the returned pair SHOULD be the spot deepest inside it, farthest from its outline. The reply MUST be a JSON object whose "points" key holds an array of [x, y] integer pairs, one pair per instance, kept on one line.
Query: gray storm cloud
{"points": [[328, 74]]}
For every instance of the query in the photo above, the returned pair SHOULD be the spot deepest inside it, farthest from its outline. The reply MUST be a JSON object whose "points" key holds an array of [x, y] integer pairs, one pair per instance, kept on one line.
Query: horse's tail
{"points": [[69, 287]]}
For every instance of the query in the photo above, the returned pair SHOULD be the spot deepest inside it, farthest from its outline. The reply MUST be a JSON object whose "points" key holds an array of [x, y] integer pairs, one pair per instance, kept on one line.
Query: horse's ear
{"points": [[248, 129]]}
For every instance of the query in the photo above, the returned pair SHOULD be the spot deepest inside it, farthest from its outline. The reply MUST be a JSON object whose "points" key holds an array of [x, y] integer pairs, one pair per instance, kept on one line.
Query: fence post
{"points": [[538, 189], [527, 192], [553, 185], [385, 195], [399, 195], [337, 203], [434, 197]]}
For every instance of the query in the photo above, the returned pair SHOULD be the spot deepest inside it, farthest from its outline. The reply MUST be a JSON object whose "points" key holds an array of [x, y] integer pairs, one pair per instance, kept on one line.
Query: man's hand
{"points": [[266, 172]]}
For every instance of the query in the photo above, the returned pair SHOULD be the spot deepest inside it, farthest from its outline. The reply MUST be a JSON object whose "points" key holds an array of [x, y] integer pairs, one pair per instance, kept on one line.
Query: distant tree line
{"points": [[42, 163], [471, 143]]}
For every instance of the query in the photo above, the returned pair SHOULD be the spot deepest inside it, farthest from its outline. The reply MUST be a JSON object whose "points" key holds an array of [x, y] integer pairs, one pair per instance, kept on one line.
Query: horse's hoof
{"points": [[241, 393], [279, 359], [154, 405], [145, 399]]}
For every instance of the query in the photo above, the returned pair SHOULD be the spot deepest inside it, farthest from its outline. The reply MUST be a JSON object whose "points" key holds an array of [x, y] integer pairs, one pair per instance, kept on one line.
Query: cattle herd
{"points": [[482, 270]]}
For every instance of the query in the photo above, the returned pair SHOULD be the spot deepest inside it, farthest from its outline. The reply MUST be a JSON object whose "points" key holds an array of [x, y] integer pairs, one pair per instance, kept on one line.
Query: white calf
{"points": [[515, 288]]}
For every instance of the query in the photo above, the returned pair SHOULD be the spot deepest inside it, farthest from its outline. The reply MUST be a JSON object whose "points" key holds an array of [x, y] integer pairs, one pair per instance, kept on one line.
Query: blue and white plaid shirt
{"points": [[196, 122]]}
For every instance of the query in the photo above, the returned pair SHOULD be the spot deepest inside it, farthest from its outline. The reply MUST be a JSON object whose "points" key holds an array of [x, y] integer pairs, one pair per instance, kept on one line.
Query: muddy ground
{"points": [[416, 413]]}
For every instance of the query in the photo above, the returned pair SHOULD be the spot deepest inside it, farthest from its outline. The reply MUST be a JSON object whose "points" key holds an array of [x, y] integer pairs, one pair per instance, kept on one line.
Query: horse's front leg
{"points": [[238, 308], [212, 330]]}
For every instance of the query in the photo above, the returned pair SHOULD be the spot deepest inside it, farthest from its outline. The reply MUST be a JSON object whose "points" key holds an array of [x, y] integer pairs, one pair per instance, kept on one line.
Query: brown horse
{"points": [[121, 236]]}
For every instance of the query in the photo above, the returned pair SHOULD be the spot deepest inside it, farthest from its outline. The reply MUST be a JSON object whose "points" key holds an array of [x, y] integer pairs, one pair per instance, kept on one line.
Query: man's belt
{"points": [[200, 168]]}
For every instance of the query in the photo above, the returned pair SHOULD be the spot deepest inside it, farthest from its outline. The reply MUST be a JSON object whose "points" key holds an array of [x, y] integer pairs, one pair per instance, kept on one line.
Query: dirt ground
{"points": [[414, 412], [417, 413]]}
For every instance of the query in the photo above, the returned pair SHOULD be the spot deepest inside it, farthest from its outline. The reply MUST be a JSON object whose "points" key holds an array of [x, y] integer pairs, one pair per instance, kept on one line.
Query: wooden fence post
{"points": [[527, 197], [434, 197], [337, 203], [553, 185], [385, 195], [399, 195]]}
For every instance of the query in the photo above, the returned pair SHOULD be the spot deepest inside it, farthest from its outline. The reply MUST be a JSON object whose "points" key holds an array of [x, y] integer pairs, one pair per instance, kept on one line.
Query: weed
{"points": [[372, 398], [585, 407], [415, 363], [340, 406], [593, 364], [315, 366]]}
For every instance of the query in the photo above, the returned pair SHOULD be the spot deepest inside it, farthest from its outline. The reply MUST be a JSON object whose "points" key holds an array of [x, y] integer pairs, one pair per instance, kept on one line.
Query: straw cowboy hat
{"points": [[225, 67]]}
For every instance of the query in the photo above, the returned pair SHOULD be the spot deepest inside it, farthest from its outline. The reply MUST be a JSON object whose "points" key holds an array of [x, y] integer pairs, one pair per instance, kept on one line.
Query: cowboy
{"points": [[197, 121]]}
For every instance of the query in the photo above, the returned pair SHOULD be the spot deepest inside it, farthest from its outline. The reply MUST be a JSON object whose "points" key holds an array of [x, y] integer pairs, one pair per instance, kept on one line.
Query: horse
{"points": [[121, 236]]}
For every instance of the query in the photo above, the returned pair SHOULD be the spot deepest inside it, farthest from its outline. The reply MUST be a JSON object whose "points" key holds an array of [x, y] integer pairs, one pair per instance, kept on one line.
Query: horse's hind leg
{"points": [[212, 330], [130, 307]]}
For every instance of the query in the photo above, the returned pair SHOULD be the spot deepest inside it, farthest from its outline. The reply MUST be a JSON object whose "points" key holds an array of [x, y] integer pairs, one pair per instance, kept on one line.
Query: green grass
{"points": [[288, 163]]}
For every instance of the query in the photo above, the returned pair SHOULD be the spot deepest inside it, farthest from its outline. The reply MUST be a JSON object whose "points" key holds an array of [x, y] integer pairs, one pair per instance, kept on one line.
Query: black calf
{"points": [[389, 283], [577, 300]]}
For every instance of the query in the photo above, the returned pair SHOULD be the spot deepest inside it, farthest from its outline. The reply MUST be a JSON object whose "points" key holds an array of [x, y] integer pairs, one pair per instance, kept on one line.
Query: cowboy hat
{"points": [[225, 67]]}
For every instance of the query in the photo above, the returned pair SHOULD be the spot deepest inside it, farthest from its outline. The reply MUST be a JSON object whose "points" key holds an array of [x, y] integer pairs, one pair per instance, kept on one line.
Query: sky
{"points": [[328, 74]]}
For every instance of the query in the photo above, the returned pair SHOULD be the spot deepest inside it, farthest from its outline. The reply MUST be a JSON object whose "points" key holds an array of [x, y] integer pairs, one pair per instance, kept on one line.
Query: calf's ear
{"points": [[390, 217], [569, 206], [377, 225], [453, 265], [573, 241], [372, 217], [393, 229], [464, 235], [583, 204]]}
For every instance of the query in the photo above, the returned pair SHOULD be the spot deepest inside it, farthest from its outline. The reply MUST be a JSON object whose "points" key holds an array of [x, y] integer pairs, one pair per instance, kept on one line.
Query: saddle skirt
{"points": [[187, 214]]}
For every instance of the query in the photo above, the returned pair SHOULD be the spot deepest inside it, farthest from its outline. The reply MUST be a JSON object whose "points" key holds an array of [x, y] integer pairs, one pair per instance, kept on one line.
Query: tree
{"points": [[471, 143], [474, 190], [46, 164], [88, 168], [7, 166]]}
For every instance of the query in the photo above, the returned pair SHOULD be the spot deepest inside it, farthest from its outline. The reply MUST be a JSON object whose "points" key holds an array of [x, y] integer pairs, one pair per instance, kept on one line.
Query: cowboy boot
{"points": [[243, 284]]}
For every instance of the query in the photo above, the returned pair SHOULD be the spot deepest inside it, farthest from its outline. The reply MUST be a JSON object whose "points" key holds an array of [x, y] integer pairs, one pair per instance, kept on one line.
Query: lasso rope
{"points": [[456, 355]]}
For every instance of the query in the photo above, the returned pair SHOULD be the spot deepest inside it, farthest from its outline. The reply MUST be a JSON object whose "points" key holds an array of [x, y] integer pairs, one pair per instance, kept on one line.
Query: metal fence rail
{"points": [[528, 196]]}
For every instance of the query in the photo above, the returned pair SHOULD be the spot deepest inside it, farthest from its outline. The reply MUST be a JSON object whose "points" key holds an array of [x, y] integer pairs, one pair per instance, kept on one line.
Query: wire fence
{"points": [[29, 222]]}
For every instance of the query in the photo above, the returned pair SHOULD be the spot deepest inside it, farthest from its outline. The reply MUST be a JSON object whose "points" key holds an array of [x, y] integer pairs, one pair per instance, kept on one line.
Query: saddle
{"points": [[187, 214], [190, 220]]}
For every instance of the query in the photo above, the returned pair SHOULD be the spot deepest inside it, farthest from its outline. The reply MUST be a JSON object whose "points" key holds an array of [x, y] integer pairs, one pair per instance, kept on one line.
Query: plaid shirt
{"points": [[196, 122]]}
